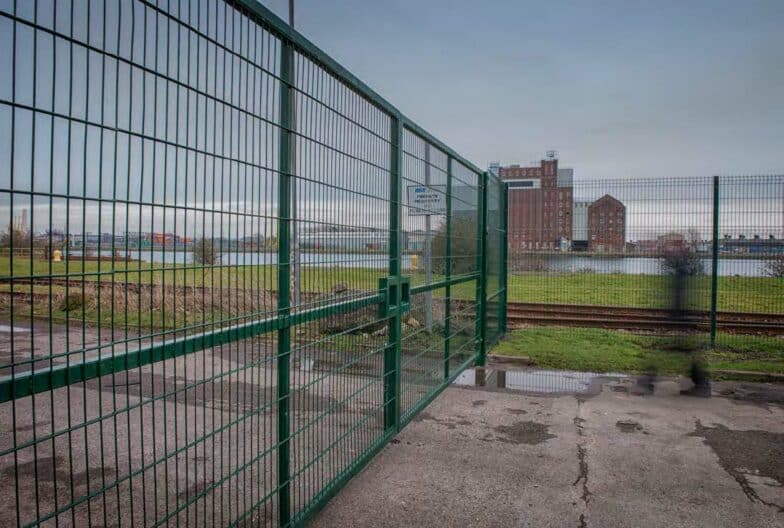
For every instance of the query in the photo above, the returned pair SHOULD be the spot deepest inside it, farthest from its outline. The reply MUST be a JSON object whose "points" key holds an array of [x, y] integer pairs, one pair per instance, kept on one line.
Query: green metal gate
{"points": [[230, 272]]}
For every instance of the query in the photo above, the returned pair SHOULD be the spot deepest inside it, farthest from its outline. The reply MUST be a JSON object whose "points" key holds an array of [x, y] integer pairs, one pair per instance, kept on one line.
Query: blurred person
{"points": [[682, 264]]}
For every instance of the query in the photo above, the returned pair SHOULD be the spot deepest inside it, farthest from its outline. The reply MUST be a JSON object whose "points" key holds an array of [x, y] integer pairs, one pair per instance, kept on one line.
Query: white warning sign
{"points": [[426, 200]]}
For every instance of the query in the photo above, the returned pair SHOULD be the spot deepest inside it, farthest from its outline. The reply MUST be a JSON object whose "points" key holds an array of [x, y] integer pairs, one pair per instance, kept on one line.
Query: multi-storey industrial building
{"points": [[606, 225], [544, 216], [540, 205]]}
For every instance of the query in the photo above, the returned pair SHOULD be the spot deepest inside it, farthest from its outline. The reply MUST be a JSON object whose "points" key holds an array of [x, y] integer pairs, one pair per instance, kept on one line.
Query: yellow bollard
{"points": [[57, 256], [414, 262]]}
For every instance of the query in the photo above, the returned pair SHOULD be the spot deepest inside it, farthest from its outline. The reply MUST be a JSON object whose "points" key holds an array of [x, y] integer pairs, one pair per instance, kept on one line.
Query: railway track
{"points": [[642, 319], [536, 314]]}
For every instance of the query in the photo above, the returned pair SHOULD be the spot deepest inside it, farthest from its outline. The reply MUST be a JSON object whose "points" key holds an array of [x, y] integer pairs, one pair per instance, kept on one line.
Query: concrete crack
{"points": [[582, 475], [750, 492], [756, 451]]}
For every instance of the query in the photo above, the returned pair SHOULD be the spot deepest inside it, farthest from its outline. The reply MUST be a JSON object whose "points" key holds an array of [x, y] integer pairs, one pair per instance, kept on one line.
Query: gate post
{"points": [[504, 255], [284, 277], [392, 350], [448, 267], [481, 320], [715, 262]]}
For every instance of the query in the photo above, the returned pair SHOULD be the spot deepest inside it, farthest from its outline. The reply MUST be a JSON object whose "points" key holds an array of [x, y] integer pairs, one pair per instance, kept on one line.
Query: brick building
{"points": [[540, 205], [606, 225]]}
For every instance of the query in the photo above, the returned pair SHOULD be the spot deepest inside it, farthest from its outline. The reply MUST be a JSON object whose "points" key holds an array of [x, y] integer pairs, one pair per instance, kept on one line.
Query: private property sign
{"points": [[426, 200]]}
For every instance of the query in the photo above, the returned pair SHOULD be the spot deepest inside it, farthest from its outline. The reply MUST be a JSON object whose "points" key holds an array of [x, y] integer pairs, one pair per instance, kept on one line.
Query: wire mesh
{"points": [[208, 232], [624, 232], [618, 243], [496, 265]]}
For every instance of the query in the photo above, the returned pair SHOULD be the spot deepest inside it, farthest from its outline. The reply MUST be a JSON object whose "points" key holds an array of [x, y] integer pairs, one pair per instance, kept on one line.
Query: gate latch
{"points": [[397, 295]]}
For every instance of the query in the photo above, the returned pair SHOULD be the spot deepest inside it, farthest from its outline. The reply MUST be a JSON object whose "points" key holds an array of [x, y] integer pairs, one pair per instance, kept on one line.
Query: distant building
{"points": [[580, 226], [540, 205], [756, 245], [668, 242], [606, 225], [347, 240]]}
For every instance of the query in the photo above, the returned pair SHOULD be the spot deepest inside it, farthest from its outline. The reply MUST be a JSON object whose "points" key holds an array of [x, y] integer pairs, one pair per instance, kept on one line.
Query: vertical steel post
{"points": [[284, 279], [481, 319], [715, 261], [448, 267], [504, 253], [294, 245], [427, 251], [392, 351]]}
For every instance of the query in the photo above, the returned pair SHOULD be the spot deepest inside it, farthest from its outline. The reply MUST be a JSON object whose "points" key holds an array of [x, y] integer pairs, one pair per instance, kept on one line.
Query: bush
{"points": [[464, 244], [775, 267], [682, 261], [71, 302], [204, 252]]}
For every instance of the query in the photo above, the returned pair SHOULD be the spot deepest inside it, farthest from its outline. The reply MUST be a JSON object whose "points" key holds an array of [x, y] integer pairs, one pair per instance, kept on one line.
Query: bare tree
{"points": [[15, 237], [204, 252]]}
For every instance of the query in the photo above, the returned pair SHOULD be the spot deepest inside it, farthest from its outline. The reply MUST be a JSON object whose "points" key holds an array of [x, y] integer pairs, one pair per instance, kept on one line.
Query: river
{"points": [[744, 267]]}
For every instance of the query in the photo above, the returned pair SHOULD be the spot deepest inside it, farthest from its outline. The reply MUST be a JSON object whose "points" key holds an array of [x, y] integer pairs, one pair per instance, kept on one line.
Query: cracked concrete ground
{"points": [[603, 458]]}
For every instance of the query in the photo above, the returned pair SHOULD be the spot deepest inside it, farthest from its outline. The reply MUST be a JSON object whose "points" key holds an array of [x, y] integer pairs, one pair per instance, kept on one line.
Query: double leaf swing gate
{"points": [[231, 272]]}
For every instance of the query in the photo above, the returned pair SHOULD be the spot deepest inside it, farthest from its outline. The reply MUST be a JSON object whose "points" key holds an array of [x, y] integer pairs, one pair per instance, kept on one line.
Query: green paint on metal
{"points": [[397, 295], [448, 265], [166, 344], [392, 350], [714, 263], [285, 182], [481, 317], [280, 27], [37, 381], [504, 256]]}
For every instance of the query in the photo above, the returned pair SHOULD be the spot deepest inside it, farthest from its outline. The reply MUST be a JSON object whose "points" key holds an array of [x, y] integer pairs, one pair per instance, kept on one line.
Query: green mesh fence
{"points": [[229, 271], [606, 251], [495, 255]]}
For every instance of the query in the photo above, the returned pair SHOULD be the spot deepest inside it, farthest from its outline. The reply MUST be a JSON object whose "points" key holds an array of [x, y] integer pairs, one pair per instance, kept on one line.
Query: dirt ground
{"points": [[571, 449]]}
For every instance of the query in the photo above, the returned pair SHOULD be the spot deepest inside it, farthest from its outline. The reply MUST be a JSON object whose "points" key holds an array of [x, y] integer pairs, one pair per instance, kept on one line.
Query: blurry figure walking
{"points": [[682, 264]]}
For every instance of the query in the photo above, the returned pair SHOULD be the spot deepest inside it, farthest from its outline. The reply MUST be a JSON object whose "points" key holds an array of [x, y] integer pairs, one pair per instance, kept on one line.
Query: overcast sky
{"points": [[621, 89]]}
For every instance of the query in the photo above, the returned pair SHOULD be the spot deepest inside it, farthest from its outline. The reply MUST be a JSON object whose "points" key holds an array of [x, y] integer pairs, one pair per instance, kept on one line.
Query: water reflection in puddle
{"points": [[6, 329], [536, 381]]}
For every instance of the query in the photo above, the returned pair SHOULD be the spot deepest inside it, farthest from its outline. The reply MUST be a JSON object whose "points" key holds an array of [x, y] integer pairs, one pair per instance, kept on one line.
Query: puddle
{"points": [[536, 381], [7, 329]]}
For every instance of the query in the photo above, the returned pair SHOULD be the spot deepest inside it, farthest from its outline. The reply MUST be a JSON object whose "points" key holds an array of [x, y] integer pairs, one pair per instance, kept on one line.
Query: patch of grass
{"points": [[754, 294], [600, 350], [185, 294], [314, 279], [737, 294]]}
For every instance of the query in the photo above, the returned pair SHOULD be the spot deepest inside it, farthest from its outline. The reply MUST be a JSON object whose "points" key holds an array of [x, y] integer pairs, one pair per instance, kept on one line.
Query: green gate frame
{"points": [[392, 298]]}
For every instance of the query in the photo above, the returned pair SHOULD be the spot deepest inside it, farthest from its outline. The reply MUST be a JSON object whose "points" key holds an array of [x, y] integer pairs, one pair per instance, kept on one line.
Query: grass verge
{"points": [[735, 294], [600, 350]]}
